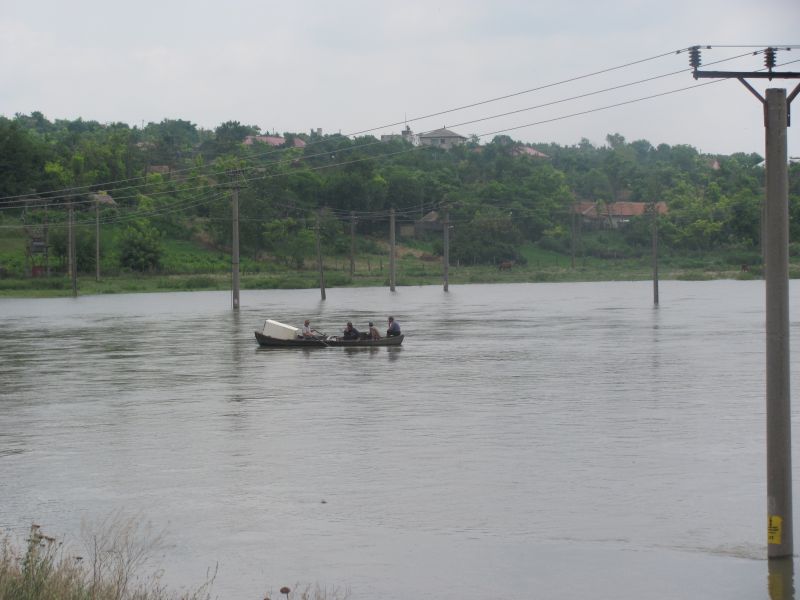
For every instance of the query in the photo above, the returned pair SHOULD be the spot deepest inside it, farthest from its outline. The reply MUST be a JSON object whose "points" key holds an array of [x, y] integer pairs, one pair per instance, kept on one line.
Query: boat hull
{"points": [[395, 340], [266, 341]]}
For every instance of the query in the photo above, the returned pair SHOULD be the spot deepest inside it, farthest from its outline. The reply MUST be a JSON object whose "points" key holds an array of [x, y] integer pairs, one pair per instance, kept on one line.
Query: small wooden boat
{"points": [[279, 335], [394, 340], [266, 341]]}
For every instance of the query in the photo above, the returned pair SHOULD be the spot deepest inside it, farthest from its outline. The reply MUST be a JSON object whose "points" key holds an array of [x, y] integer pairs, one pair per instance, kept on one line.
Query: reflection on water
{"points": [[542, 440], [781, 578]]}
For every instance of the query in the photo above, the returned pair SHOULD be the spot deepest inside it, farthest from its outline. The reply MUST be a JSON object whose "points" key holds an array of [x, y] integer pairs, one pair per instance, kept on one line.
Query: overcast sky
{"points": [[347, 66]]}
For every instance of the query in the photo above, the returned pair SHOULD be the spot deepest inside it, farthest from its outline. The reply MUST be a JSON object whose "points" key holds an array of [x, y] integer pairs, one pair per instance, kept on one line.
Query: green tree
{"points": [[140, 246], [289, 241], [22, 158]]}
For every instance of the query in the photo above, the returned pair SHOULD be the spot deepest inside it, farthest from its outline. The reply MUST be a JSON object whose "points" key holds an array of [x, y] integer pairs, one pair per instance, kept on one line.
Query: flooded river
{"points": [[526, 441]]}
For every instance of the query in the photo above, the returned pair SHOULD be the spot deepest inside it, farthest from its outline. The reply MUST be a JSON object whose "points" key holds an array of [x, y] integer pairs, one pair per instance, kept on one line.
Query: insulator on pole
{"points": [[769, 58], [694, 57]]}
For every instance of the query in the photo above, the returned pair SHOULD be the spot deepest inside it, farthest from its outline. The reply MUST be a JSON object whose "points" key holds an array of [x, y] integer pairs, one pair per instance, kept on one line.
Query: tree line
{"points": [[174, 179]]}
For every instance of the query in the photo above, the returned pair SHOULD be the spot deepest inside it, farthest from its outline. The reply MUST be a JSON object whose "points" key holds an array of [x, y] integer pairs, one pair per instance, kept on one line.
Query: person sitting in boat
{"points": [[373, 332], [309, 333], [394, 328], [350, 332]]}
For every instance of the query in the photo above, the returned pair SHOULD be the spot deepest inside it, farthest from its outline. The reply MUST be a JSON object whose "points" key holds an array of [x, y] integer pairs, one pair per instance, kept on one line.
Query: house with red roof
{"points": [[613, 215]]}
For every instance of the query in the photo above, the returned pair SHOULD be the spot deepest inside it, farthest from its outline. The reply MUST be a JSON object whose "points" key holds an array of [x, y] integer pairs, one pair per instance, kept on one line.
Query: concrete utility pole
{"points": [[98, 199], [352, 243], [72, 256], [97, 240], [235, 248], [446, 257], [654, 208], [776, 273], [319, 261], [572, 237], [46, 242], [391, 251]]}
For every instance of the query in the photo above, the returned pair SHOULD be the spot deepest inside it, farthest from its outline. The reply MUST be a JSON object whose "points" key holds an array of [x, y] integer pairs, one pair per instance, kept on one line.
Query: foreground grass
{"points": [[110, 569], [46, 570]]}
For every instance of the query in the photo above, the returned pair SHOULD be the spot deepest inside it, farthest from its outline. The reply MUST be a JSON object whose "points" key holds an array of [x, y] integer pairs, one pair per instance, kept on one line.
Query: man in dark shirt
{"points": [[350, 332], [394, 328]]}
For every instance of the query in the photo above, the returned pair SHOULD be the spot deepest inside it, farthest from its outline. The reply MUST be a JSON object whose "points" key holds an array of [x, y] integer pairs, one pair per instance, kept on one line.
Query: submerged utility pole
{"points": [[446, 257], [572, 237], [319, 261], [46, 242], [352, 243], [654, 208], [97, 240], [391, 250], [235, 247], [99, 198], [776, 274], [73, 267]]}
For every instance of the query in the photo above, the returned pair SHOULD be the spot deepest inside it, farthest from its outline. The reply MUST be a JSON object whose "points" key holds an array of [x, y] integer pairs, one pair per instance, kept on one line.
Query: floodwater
{"points": [[526, 441]]}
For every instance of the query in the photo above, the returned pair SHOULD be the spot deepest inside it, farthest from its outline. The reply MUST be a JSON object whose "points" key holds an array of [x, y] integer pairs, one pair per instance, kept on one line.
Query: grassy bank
{"points": [[112, 565], [407, 275], [190, 267]]}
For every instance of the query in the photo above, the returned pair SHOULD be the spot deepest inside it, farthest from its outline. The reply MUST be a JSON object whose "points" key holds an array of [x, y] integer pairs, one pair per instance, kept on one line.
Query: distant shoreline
{"points": [[56, 287]]}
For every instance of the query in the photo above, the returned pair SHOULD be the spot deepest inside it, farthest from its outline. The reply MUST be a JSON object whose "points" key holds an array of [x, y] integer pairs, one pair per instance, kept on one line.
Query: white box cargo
{"points": [[279, 330]]}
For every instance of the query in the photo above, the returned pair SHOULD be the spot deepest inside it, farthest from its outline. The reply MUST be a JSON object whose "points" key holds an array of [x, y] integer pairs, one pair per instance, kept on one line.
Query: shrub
{"points": [[140, 247]]}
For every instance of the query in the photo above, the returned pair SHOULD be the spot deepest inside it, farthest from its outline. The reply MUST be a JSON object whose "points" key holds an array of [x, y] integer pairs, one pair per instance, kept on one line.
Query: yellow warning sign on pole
{"points": [[774, 527]]}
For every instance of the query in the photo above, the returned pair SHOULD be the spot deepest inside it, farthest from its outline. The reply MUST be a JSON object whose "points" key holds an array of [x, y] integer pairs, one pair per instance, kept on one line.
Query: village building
{"points": [[613, 215], [441, 138], [272, 140], [407, 136]]}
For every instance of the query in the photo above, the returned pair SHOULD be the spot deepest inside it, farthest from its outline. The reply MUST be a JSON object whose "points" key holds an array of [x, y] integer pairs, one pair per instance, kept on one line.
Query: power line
{"points": [[89, 187], [370, 144], [412, 149]]}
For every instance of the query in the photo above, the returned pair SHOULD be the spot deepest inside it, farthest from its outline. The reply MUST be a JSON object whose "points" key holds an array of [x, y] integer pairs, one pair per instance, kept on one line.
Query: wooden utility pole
{"points": [[235, 247], [780, 543], [391, 251], [446, 257], [352, 243], [319, 261]]}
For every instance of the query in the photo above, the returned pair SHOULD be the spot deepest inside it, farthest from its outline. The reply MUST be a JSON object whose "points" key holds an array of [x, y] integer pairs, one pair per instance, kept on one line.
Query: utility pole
{"points": [[446, 257], [654, 231], [46, 242], [391, 251], [319, 261], [73, 268], [572, 238], [98, 198], [235, 247], [97, 240], [352, 243], [776, 274]]}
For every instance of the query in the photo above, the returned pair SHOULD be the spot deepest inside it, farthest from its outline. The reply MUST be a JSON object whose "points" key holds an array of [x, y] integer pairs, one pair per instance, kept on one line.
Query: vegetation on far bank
{"points": [[210, 270], [161, 195]]}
